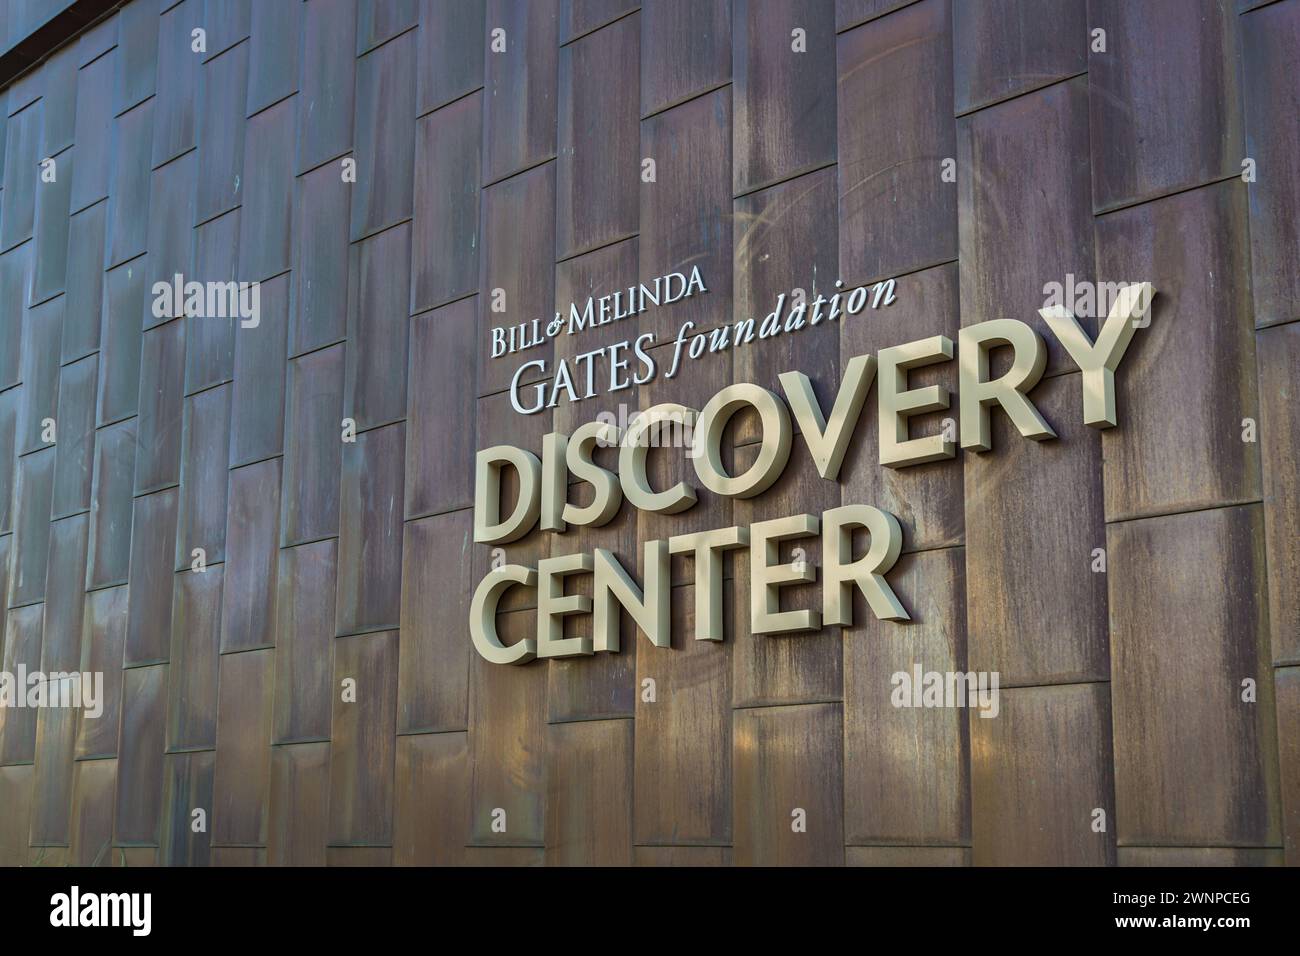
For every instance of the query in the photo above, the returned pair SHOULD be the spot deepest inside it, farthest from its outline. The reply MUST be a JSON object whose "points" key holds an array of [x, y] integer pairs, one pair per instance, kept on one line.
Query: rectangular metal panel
{"points": [[201, 516], [313, 452], [120, 343], [64, 598], [1040, 771], [109, 557], [784, 668], [241, 786], [438, 583], [94, 783], [264, 246], [187, 788], [16, 796], [137, 54], [42, 326], [31, 543], [785, 239], [589, 793], [499, 424], [162, 383], [507, 740], [1278, 354], [223, 88], [94, 132], [783, 90], [517, 270], [691, 386], [686, 49], [1192, 248], [597, 175], [304, 663], [363, 741], [320, 259], [789, 786], [104, 630], [683, 746], [1006, 47], [378, 328], [171, 233], [1183, 638], [452, 43], [22, 648], [128, 204], [1013, 244], [85, 282], [370, 531], [273, 53], [21, 177], [178, 70], [441, 409], [252, 557], [445, 240], [326, 82], [297, 825], [257, 415], [686, 214], [432, 797], [1168, 119], [195, 645], [926, 499], [906, 769], [75, 423], [10, 401], [153, 536], [49, 276], [15, 275], [140, 759], [385, 136], [897, 213], [1034, 518], [520, 83], [1270, 47]]}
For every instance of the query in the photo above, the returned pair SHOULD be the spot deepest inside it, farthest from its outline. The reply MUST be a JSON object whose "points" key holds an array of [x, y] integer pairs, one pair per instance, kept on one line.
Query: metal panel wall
{"points": [[262, 536]]}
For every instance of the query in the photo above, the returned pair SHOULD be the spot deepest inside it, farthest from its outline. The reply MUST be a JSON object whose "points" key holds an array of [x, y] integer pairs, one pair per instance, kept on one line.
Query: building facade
{"points": [[273, 275]]}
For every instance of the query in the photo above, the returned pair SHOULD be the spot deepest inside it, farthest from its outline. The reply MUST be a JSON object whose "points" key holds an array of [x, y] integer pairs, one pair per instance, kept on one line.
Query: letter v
{"points": [[828, 441]]}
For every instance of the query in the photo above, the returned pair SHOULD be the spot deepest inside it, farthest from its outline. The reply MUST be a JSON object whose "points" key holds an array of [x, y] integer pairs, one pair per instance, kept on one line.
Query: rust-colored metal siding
{"points": [[520, 173]]}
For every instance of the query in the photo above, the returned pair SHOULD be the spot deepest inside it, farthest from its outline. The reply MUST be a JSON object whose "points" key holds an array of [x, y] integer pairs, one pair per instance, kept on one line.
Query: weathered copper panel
{"points": [[1165, 100], [196, 643], [597, 176], [783, 90], [1002, 48], [408, 186], [304, 662], [451, 52], [895, 74], [685, 50], [444, 253], [1183, 640]]}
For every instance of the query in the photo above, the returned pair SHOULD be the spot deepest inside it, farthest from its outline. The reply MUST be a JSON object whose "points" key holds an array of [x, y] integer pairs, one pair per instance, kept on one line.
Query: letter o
{"points": [[772, 455]]}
